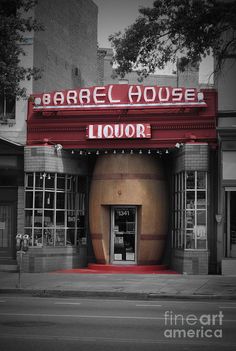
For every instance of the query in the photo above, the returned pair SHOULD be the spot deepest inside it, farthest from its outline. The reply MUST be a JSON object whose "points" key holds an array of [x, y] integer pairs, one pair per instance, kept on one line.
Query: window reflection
{"points": [[190, 180]]}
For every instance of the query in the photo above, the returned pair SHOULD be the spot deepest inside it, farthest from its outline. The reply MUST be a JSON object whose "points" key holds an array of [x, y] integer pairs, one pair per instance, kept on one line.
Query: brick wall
{"points": [[190, 262], [66, 51], [67, 48], [46, 159], [47, 259], [20, 210], [192, 157]]}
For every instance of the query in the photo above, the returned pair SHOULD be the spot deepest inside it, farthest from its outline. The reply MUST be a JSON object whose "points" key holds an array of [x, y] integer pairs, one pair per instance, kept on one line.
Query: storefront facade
{"points": [[121, 174], [226, 127], [227, 193], [11, 198]]}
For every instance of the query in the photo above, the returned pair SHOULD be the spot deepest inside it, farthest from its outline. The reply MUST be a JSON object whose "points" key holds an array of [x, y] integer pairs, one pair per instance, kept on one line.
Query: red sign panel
{"points": [[119, 116], [119, 131], [119, 96]]}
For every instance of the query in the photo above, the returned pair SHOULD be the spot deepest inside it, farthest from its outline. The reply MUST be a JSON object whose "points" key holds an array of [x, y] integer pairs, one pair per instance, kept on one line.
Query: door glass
{"points": [[124, 228], [6, 228]]}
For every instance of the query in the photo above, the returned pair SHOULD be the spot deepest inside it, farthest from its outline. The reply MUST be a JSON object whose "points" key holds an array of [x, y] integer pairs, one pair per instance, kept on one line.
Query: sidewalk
{"points": [[134, 286]]}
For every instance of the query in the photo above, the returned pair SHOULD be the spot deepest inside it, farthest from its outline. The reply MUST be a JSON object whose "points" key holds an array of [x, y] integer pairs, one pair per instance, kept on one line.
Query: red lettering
{"points": [[110, 98], [97, 96], [124, 96], [118, 131], [164, 94], [137, 94], [149, 94], [46, 99], [177, 94], [59, 98], [141, 131], [90, 133], [84, 94], [190, 94], [108, 132], [130, 131], [71, 97]]}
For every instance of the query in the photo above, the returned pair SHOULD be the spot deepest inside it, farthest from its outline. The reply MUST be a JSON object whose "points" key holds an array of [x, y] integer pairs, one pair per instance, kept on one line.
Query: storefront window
{"points": [[190, 210], [55, 209]]}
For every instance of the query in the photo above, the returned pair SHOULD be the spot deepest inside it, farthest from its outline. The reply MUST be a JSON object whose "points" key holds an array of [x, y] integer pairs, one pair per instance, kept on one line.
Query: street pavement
{"points": [[96, 324], [139, 286]]}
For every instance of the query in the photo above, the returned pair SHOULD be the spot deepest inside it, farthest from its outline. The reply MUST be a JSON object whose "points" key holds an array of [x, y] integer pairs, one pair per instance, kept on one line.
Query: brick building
{"points": [[225, 216], [66, 50]]}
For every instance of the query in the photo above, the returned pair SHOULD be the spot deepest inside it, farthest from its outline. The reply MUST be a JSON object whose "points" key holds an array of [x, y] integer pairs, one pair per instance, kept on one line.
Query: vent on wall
{"points": [[76, 71]]}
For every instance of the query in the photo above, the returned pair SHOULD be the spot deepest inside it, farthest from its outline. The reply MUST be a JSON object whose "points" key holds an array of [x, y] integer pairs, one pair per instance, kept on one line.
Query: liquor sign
{"points": [[119, 96], [119, 131]]}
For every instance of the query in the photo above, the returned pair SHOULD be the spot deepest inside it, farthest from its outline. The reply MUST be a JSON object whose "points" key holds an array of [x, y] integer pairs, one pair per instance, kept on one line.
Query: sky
{"points": [[116, 15]]}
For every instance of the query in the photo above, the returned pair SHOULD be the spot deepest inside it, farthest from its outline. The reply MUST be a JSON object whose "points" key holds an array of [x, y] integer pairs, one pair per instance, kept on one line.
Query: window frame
{"points": [[189, 233], [7, 108], [57, 225]]}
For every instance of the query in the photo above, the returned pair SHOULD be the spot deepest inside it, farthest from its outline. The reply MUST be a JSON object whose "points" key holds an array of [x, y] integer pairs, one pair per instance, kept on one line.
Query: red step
{"points": [[120, 269], [127, 268]]}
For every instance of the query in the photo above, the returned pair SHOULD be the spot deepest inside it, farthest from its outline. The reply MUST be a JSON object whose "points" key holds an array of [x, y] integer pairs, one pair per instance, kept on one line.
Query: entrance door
{"points": [[6, 230], [123, 234], [231, 223]]}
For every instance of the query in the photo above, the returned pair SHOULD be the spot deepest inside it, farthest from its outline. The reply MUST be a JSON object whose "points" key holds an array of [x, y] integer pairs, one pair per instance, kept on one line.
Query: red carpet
{"points": [[120, 269]]}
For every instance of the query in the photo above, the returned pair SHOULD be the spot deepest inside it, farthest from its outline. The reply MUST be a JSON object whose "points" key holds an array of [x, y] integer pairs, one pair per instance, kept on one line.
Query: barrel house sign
{"points": [[119, 149]]}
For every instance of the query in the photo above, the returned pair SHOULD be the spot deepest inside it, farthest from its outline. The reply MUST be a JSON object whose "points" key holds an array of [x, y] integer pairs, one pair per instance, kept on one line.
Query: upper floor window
{"points": [[7, 108]]}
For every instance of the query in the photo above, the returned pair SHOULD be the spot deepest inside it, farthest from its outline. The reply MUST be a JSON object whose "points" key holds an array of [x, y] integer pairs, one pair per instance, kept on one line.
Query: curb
{"points": [[112, 294]]}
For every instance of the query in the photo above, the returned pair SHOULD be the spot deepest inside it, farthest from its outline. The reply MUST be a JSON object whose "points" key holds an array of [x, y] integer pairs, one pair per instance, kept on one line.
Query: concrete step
{"points": [[8, 265], [228, 266], [8, 268]]}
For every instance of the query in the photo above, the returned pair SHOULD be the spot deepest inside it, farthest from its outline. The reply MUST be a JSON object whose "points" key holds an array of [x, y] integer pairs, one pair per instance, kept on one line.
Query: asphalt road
{"points": [[48, 324]]}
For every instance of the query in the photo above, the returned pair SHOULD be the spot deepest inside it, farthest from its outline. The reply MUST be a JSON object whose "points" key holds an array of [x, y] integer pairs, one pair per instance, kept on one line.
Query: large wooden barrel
{"points": [[129, 180]]}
